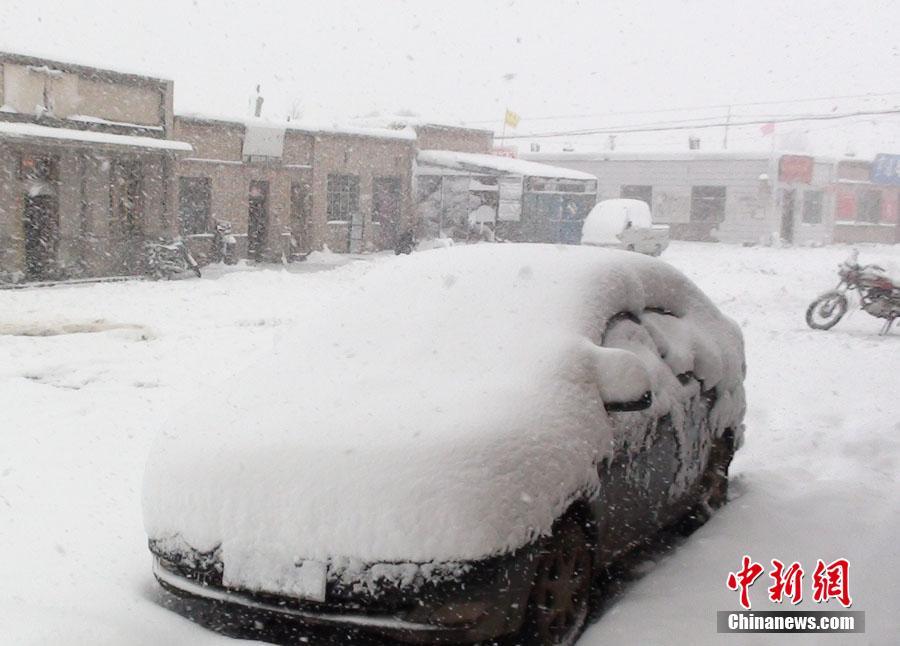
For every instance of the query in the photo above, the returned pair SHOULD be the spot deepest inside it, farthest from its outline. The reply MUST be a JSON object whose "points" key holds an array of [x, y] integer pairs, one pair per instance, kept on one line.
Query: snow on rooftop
{"points": [[442, 406], [674, 155], [401, 121], [10, 129], [479, 163], [308, 126]]}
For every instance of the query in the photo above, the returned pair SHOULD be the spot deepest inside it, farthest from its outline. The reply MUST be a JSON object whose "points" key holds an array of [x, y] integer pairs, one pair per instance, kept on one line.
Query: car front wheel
{"points": [[560, 594]]}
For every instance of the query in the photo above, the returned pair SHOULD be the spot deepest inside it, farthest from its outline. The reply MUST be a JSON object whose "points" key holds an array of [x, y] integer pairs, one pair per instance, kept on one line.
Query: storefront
{"points": [[468, 196], [868, 200], [86, 166]]}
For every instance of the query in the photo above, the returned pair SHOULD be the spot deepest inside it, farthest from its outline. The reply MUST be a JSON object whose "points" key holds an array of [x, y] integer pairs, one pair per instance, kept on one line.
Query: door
{"points": [[356, 232], [386, 209], [41, 220], [258, 220], [126, 226], [788, 204]]}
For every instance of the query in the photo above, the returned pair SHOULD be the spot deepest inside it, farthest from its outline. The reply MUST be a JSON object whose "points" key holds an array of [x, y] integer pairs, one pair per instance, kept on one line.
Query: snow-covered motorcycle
{"points": [[170, 259], [878, 296]]}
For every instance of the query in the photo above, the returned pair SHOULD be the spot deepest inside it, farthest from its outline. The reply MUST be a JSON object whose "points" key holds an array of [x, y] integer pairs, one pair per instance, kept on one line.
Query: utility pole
{"points": [[727, 121]]}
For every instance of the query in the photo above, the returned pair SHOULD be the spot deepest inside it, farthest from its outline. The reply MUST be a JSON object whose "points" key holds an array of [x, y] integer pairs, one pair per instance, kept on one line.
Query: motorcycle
{"points": [[224, 243], [878, 296], [170, 259], [406, 242]]}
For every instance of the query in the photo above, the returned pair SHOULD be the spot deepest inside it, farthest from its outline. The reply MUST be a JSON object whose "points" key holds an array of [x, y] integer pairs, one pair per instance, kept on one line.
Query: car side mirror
{"points": [[623, 380]]}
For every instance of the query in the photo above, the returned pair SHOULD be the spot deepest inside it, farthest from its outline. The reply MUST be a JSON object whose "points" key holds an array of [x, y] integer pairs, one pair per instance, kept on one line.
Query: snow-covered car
{"points": [[452, 448], [624, 224]]}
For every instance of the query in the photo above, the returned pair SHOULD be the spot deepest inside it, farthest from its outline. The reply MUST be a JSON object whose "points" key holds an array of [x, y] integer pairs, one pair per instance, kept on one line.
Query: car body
{"points": [[423, 456], [624, 224]]}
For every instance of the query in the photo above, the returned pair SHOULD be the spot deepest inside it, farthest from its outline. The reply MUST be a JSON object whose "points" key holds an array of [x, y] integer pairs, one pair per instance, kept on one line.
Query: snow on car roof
{"points": [[609, 218], [477, 162], [442, 406]]}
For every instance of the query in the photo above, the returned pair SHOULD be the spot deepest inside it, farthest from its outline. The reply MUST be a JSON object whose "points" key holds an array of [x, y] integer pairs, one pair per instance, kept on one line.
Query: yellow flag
{"points": [[511, 119]]}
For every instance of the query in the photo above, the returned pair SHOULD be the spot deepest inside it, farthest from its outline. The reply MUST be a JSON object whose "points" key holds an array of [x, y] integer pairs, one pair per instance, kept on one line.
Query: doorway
{"points": [[41, 220], [127, 222], [788, 206], [386, 209], [258, 220]]}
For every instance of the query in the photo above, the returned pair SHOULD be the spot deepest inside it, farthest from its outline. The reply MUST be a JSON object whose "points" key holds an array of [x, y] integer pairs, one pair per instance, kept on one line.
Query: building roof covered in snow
{"points": [[493, 165], [306, 126], [23, 130]]}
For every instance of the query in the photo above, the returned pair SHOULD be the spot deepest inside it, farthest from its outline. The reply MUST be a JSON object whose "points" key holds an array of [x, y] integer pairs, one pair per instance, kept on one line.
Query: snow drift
{"points": [[443, 407]]}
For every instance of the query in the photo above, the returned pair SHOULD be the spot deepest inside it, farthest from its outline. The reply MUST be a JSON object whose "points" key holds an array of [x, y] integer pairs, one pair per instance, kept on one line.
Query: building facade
{"points": [[865, 210], [462, 195], [86, 169], [719, 196], [287, 188]]}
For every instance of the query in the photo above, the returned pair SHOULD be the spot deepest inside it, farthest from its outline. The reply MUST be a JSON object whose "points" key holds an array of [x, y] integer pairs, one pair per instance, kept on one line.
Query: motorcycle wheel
{"points": [[824, 312]]}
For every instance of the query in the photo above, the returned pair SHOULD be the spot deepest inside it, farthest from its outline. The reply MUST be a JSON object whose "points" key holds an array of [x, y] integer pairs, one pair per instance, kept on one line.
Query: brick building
{"points": [[86, 169]]}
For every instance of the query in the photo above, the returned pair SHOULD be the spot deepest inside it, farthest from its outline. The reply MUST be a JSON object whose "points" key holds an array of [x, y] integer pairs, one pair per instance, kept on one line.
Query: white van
{"points": [[624, 224]]}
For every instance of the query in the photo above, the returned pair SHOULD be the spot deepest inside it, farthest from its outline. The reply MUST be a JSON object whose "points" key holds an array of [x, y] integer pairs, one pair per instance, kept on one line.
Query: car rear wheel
{"points": [[560, 594], [713, 486]]}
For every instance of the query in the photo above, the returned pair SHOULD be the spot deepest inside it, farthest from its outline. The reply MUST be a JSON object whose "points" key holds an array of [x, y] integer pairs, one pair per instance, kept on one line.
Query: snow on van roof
{"points": [[609, 218], [480, 163], [442, 406]]}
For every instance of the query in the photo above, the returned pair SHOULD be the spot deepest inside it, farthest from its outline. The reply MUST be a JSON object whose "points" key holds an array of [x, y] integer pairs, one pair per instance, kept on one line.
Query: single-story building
{"points": [[86, 164], [726, 196], [867, 205], [287, 187], [459, 194]]}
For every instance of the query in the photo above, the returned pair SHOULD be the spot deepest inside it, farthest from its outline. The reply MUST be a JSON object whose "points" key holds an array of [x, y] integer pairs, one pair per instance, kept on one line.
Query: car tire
{"points": [[713, 486], [559, 604]]}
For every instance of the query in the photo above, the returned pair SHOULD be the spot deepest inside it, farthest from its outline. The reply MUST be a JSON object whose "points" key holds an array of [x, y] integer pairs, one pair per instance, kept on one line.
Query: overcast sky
{"points": [[448, 59]]}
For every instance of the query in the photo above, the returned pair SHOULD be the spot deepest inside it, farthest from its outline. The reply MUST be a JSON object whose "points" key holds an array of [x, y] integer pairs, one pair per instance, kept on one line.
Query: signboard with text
{"points": [[795, 168], [886, 170]]}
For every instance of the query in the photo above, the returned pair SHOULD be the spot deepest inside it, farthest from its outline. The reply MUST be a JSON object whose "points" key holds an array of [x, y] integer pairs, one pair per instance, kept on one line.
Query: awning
{"points": [[18, 130], [495, 165]]}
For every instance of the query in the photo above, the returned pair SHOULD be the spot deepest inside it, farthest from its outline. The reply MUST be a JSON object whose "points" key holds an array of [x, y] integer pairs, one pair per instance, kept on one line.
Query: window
{"points": [[708, 204], [638, 192], [812, 207], [194, 200], [868, 205], [343, 196]]}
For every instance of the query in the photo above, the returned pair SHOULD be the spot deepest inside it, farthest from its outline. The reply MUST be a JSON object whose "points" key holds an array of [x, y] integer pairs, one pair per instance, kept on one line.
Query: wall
{"points": [[75, 90], [86, 243], [852, 180], [218, 155], [432, 137], [367, 157], [752, 205]]}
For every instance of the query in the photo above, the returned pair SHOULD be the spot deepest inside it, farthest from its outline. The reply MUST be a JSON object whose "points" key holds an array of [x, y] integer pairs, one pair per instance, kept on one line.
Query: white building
{"points": [[719, 196]]}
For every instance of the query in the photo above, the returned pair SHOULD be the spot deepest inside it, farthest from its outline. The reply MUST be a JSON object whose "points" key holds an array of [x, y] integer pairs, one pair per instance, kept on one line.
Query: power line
{"points": [[699, 107], [655, 127]]}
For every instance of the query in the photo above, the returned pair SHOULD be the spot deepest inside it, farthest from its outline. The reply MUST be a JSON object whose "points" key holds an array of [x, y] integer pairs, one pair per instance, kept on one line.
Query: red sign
{"points": [[506, 151], [795, 168]]}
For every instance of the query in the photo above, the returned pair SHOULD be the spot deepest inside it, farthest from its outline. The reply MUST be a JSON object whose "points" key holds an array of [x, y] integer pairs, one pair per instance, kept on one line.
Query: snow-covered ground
{"points": [[89, 373]]}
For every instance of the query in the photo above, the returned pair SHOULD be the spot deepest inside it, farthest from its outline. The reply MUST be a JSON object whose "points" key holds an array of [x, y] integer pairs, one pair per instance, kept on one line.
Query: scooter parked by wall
{"points": [[169, 260]]}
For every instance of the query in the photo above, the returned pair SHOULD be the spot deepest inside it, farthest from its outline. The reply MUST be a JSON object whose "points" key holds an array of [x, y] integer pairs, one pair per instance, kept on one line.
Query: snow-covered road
{"points": [[818, 477]]}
